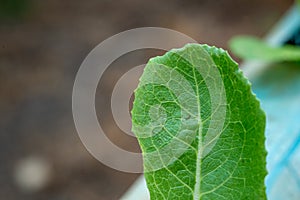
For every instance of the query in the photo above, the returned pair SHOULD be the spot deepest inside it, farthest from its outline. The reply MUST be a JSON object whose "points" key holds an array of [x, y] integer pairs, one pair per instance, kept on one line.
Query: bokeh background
{"points": [[42, 44]]}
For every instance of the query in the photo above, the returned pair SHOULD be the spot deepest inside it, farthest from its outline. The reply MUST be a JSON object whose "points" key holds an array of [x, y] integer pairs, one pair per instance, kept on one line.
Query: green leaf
{"points": [[251, 48], [200, 128]]}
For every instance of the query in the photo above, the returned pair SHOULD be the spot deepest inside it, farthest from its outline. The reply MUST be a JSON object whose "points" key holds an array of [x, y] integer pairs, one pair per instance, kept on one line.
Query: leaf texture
{"points": [[200, 128]]}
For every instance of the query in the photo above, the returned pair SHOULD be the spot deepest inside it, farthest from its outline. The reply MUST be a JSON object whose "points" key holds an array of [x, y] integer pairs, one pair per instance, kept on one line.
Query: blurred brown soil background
{"points": [[42, 44]]}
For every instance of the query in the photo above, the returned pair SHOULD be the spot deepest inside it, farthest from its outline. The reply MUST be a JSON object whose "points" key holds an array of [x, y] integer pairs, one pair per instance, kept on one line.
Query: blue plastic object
{"points": [[279, 91], [278, 88]]}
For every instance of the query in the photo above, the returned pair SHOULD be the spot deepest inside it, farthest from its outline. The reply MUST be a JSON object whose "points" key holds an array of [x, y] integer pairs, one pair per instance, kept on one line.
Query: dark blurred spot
{"points": [[13, 8], [295, 39]]}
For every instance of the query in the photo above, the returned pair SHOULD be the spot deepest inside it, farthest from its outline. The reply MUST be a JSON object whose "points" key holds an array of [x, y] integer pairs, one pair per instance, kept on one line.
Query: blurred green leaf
{"points": [[251, 48]]}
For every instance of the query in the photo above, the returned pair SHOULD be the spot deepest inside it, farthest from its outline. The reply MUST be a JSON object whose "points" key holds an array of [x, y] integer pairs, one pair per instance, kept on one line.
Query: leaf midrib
{"points": [[196, 195], [196, 191]]}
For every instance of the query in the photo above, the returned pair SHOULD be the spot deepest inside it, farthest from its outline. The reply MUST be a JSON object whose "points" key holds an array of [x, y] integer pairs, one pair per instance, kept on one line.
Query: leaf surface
{"points": [[200, 128]]}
